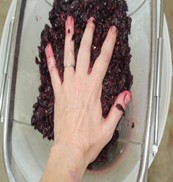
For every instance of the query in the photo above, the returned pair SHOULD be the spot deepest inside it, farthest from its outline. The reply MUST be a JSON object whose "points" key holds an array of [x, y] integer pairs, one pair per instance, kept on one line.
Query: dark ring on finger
{"points": [[120, 108]]}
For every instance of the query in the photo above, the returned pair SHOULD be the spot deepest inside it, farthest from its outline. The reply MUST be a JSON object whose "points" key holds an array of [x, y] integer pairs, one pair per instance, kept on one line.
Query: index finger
{"points": [[54, 74], [102, 62]]}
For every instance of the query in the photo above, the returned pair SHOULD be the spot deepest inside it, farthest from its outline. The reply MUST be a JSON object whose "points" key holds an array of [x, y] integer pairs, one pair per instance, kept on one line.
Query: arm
{"points": [[65, 164], [80, 130]]}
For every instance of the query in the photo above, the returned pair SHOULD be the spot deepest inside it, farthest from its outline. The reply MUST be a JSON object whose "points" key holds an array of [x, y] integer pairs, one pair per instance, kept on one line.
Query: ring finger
{"points": [[69, 59]]}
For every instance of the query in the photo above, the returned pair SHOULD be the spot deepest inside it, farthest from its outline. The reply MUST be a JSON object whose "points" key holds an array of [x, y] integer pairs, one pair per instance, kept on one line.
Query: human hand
{"points": [[78, 121]]}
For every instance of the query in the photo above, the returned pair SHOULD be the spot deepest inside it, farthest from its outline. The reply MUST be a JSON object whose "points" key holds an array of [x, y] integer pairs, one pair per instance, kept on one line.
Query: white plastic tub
{"points": [[25, 152]]}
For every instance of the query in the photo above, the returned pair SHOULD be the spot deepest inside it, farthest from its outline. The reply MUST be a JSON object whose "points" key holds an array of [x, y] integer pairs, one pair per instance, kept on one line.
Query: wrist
{"points": [[70, 159]]}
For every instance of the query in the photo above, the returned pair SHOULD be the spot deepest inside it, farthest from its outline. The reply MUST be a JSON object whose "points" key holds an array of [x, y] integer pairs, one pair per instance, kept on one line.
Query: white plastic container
{"points": [[25, 152]]}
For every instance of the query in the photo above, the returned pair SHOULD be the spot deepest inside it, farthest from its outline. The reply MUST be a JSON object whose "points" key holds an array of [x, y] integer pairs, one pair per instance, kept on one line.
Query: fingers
{"points": [[55, 79], [69, 58], [84, 54], [102, 62], [118, 110]]}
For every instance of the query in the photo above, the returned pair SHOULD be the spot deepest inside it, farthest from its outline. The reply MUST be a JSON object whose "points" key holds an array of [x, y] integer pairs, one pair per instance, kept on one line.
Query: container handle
{"points": [[5, 141], [5, 63], [143, 170], [158, 79], [10, 56]]}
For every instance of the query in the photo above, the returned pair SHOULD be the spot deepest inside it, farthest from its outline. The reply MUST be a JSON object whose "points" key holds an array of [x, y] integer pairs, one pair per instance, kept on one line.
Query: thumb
{"points": [[118, 109]]}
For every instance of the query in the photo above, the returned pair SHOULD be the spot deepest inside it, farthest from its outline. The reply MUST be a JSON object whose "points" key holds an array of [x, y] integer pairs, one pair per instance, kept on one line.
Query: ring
{"points": [[69, 65]]}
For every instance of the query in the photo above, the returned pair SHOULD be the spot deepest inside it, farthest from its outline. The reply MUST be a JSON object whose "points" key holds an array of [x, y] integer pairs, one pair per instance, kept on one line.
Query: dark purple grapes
{"points": [[118, 77]]}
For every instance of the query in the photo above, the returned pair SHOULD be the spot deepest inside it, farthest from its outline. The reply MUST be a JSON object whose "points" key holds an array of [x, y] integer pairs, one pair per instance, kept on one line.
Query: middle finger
{"points": [[84, 54]]}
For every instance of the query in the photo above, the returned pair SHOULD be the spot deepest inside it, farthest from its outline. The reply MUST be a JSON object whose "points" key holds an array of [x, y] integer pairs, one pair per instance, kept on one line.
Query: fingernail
{"points": [[69, 19], [69, 25], [47, 49], [91, 20], [114, 29], [127, 98]]}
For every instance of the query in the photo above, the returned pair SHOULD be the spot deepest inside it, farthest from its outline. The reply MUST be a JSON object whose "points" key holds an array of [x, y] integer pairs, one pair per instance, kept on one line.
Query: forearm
{"points": [[65, 164]]}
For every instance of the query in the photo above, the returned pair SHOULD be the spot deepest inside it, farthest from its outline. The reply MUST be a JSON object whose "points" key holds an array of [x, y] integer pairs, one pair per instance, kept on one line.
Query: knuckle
{"points": [[86, 44], [51, 69], [105, 55], [91, 26], [110, 40], [112, 33], [108, 132], [96, 83], [70, 54]]}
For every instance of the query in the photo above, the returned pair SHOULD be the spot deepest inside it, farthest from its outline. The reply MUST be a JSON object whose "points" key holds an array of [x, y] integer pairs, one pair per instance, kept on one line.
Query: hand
{"points": [[78, 121]]}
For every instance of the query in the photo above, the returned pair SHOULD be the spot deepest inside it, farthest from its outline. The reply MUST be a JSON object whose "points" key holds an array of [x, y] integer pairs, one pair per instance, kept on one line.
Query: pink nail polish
{"points": [[69, 25], [69, 20], [127, 98], [47, 49]]}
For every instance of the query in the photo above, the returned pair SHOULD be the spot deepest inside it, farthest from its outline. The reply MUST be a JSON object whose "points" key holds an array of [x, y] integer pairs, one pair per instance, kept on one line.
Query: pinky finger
{"points": [[55, 78]]}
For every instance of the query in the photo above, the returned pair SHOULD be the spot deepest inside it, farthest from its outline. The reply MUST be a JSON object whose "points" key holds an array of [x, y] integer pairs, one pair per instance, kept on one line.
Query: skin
{"points": [[80, 130]]}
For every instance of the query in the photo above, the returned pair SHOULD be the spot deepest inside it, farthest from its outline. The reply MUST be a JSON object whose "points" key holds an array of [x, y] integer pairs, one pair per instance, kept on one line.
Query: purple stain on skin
{"points": [[133, 125], [74, 177], [73, 37], [94, 21], [118, 77], [120, 107]]}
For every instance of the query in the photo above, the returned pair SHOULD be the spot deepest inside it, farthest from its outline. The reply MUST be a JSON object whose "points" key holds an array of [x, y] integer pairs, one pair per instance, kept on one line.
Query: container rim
{"points": [[10, 85]]}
